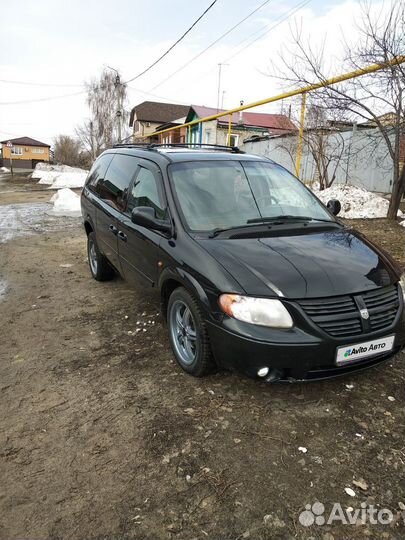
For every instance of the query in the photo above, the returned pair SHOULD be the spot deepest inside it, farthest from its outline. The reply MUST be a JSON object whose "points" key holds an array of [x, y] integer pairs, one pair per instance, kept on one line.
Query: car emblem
{"points": [[364, 313]]}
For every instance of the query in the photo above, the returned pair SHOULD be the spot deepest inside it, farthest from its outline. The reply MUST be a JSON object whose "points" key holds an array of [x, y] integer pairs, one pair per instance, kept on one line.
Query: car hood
{"points": [[309, 265]]}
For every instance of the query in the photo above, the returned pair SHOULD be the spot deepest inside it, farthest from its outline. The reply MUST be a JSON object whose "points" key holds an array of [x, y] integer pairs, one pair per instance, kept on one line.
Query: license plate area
{"points": [[358, 351]]}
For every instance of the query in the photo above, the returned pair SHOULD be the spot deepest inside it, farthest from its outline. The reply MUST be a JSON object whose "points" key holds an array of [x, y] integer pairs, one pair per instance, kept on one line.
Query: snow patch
{"points": [[4, 170], [356, 202], [59, 176], [65, 203], [402, 223]]}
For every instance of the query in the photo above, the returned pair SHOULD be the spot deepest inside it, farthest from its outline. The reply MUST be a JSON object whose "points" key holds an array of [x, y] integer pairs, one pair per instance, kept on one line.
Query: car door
{"points": [[138, 246], [112, 192]]}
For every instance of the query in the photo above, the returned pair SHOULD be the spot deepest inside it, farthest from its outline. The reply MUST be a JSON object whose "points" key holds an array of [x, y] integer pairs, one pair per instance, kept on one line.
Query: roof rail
{"points": [[157, 146]]}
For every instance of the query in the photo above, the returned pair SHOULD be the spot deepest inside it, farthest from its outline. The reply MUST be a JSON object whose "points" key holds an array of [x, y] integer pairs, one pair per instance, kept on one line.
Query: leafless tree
{"points": [[68, 151], [322, 140], [376, 99], [107, 101], [91, 140], [325, 144]]}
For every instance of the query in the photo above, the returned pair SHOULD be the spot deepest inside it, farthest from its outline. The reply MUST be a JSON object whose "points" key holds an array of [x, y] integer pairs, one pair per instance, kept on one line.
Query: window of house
{"points": [[98, 170], [208, 136], [38, 151], [114, 187], [147, 191], [16, 151], [234, 140]]}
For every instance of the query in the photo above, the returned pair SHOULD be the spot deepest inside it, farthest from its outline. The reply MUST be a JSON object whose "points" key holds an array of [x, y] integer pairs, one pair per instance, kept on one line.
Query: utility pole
{"points": [[119, 109], [223, 97], [118, 89], [219, 83], [10, 147]]}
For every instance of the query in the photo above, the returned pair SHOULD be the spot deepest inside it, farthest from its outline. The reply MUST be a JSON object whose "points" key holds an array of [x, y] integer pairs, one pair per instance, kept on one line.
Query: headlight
{"points": [[402, 285], [261, 311]]}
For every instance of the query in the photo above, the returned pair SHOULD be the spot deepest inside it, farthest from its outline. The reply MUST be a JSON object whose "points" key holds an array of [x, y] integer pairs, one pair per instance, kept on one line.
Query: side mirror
{"points": [[334, 206], [145, 217]]}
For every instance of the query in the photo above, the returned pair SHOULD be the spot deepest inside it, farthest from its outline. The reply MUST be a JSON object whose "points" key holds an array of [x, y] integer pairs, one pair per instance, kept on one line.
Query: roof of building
{"points": [[273, 122], [154, 111], [173, 123], [26, 141]]}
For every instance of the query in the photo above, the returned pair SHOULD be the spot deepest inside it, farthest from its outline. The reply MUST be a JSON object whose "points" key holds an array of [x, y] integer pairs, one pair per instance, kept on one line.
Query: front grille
{"points": [[383, 306], [340, 316]]}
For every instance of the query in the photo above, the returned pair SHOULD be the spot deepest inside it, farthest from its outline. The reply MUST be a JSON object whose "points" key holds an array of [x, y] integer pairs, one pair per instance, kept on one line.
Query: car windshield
{"points": [[216, 195]]}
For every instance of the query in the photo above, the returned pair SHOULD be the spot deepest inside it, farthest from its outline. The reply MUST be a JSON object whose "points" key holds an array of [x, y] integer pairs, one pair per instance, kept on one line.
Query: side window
{"points": [[98, 171], [114, 188], [147, 191]]}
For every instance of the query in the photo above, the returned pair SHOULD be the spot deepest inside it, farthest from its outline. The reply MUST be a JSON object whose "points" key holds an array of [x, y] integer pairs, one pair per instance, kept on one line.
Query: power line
{"points": [[212, 44], [42, 84], [41, 99], [80, 93], [266, 29], [174, 44], [142, 92], [286, 16], [25, 83]]}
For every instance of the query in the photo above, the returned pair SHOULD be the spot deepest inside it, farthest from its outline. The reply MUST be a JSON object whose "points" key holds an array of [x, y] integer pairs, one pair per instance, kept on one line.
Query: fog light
{"points": [[262, 372]]}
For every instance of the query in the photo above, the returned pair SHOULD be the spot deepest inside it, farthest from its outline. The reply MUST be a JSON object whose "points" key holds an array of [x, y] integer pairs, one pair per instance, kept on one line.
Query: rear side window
{"points": [[98, 170], [114, 187]]}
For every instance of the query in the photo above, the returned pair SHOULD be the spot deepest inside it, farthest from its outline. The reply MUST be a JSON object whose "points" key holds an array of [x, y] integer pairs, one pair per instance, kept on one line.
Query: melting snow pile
{"points": [[356, 202], [4, 170], [65, 203], [60, 176]]}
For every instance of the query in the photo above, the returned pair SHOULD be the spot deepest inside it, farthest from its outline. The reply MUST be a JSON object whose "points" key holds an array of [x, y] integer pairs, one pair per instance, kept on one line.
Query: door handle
{"points": [[113, 229], [122, 236]]}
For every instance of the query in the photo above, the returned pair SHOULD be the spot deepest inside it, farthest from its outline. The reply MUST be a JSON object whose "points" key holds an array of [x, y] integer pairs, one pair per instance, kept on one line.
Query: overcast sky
{"points": [[67, 42]]}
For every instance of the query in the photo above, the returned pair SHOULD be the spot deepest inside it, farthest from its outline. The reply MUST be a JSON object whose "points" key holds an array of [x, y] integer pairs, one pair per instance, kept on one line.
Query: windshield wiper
{"points": [[219, 230], [286, 217]]}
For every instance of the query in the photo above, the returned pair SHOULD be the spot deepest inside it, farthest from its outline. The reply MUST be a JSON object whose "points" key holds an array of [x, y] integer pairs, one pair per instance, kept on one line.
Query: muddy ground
{"points": [[102, 436]]}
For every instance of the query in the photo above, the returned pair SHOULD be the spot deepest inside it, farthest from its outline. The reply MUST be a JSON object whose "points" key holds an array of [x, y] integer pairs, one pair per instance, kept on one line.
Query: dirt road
{"points": [[103, 436]]}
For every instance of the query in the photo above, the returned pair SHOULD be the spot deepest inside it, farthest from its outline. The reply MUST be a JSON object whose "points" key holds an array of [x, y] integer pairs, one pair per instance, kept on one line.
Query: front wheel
{"points": [[188, 334], [99, 266]]}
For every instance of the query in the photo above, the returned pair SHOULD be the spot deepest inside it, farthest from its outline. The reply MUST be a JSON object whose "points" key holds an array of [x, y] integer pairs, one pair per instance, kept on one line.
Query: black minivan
{"points": [[254, 273]]}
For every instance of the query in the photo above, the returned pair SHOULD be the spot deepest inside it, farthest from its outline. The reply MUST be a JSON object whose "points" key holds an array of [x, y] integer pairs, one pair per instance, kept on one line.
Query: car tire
{"points": [[100, 268], [188, 334]]}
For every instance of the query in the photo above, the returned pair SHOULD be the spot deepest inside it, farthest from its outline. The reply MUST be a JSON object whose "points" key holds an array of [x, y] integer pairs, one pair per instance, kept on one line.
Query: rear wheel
{"points": [[100, 268], [188, 334]]}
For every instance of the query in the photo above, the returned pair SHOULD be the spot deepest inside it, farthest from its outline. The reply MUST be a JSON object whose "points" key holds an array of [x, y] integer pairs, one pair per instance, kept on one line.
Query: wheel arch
{"points": [[172, 279], [88, 226]]}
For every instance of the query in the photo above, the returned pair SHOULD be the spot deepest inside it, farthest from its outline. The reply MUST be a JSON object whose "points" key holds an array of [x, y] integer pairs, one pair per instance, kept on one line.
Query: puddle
{"points": [[25, 219]]}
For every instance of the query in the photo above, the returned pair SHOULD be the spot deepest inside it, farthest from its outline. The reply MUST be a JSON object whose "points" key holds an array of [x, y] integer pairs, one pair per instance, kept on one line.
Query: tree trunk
{"points": [[398, 189]]}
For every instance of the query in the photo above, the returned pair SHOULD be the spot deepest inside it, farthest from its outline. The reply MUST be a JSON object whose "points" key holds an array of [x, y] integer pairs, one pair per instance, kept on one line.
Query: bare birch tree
{"points": [[107, 101]]}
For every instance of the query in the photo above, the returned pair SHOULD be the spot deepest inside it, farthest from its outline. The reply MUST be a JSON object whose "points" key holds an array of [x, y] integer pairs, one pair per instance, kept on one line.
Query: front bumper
{"points": [[296, 354]]}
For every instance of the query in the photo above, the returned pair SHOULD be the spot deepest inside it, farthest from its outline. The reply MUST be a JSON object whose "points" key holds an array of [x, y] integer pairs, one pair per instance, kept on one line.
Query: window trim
{"points": [[14, 153]]}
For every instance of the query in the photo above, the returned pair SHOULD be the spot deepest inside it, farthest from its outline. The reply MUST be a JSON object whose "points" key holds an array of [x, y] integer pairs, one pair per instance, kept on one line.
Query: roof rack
{"points": [[157, 146]]}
